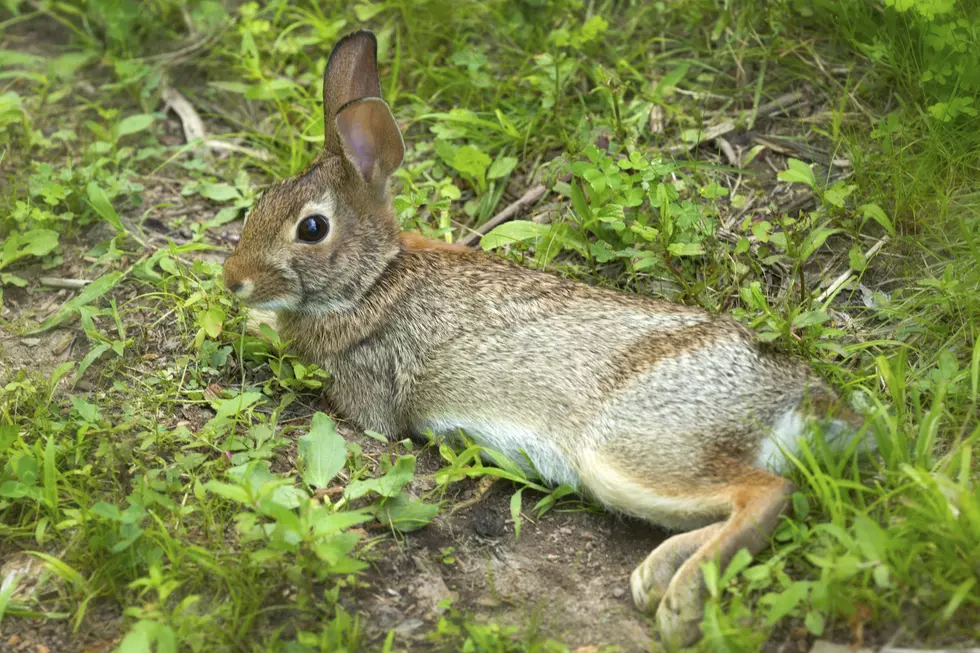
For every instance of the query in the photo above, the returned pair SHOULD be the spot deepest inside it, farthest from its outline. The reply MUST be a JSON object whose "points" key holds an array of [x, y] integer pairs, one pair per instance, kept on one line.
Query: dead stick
{"points": [[70, 284], [844, 276], [712, 132], [194, 130], [515, 207]]}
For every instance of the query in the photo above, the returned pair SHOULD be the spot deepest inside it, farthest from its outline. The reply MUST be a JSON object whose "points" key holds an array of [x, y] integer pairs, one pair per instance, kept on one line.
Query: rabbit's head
{"points": [[317, 241]]}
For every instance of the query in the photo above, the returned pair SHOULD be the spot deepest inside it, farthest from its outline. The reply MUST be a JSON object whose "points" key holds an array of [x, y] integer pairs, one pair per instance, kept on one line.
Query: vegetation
{"points": [[168, 483]]}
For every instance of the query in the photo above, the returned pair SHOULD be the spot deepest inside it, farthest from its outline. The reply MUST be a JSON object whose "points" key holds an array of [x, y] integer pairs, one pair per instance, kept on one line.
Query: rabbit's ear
{"points": [[351, 75], [370, 139]]}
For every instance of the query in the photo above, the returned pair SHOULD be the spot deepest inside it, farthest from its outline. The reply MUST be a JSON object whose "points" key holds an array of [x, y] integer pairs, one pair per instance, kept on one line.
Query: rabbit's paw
{"points": [[679, 623], [681, 611], [649, 582]]}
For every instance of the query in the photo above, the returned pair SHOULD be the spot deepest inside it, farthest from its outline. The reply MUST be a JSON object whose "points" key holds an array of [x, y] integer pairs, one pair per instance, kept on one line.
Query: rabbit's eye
{"points": [[312, 228]]}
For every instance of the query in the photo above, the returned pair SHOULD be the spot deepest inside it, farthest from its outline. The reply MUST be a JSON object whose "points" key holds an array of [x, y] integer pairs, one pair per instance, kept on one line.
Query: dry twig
{"points": [[194, 130], [509, 213], [846, 275], [710, 133], [70, 284]]}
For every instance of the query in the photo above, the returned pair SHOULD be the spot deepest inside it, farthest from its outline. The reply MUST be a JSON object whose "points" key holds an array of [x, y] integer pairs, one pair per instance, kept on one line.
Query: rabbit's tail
{"points": [[822, 416]]}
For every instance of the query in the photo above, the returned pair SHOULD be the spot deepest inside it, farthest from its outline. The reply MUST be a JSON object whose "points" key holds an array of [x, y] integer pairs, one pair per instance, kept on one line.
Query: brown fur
{"points": [[657, 347], [655, 409], [414, 242]]}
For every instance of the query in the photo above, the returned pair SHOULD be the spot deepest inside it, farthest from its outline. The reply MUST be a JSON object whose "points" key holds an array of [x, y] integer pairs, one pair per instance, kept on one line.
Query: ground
{"points": [[168, 481]]}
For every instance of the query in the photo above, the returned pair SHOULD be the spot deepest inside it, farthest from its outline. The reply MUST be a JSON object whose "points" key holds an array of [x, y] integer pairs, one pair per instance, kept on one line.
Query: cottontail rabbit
{"points": [[654, 409]]}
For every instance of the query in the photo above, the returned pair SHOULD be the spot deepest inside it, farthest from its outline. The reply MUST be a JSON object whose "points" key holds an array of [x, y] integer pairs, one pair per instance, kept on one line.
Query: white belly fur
{"points": [[550, 463]]}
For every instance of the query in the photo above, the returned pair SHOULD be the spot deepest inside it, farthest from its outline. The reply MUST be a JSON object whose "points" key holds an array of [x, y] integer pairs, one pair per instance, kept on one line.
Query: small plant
{"points": [[627, 209]]}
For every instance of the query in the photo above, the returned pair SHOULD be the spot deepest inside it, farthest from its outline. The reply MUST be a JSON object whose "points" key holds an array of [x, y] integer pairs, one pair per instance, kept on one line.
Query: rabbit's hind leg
{"points": [[742, 508], [757, 501]]}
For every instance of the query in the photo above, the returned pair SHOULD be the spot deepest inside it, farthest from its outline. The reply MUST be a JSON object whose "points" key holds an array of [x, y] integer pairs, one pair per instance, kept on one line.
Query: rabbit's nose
{"points": [[242, 288], [236, 279]]}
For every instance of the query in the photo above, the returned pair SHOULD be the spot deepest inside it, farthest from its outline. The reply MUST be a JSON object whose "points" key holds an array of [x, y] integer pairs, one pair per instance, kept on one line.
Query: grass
{"points": [[172, 477]]}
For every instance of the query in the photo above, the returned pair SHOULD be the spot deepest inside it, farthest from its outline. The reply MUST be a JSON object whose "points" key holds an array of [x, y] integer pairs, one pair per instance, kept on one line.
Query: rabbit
{"points": [[656, 410]]}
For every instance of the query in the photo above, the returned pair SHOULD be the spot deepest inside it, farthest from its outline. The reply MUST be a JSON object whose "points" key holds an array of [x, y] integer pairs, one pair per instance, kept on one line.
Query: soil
{"points": [[567, 573]]}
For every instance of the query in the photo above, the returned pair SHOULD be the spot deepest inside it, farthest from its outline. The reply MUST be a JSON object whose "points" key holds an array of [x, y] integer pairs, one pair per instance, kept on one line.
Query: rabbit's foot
{"points": [[681, 611], [650, 580]]}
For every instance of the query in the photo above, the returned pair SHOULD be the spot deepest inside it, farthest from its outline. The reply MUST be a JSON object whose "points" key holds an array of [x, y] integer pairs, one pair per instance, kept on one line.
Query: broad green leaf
{"points": [[166, 639], [139, 638], [38, 242], [228, 408], [361, 487], [334, 549], [507, 125], [856, 258], [8, 435], [212, 321], [232, 87], [134, 123], [397, 477], [516, 231], [322, 451], [232, 492], [15, 58], [100, 202], [798, 173], [87, 411], [107, 510], [219, 192], [406, 514], [686, 249], [366, 11], [739, 561], [809, 318], [502, 167], [836, 198], [814, 622], [13, 489], [69, 63], [338, 521], [579, 204], [783, 603], [471, 161], [874, 212], [814, 240], [882, 576], [872, 539]]}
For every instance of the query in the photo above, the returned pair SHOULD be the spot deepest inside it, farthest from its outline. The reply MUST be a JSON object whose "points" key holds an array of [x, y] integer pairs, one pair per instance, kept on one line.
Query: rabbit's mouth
{"points": [[287, 303]]}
